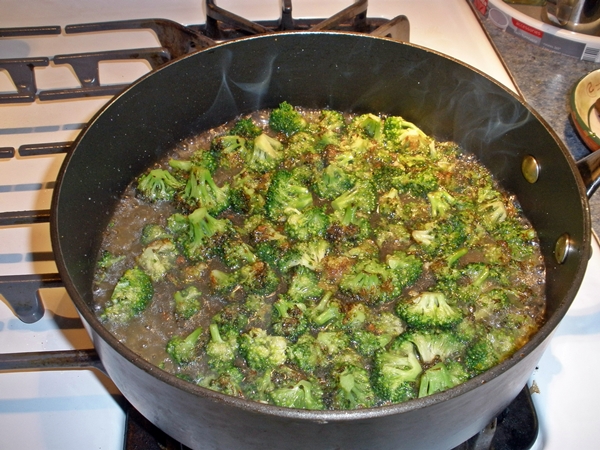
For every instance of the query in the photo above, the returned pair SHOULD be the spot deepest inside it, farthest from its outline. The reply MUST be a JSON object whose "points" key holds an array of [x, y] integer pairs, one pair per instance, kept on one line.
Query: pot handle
{"points": [[589, 169], [53, 360]]}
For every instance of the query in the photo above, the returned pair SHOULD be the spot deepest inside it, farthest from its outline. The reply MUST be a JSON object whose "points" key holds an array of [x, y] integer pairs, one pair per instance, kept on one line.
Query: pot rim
{"points": [[323, 416]]}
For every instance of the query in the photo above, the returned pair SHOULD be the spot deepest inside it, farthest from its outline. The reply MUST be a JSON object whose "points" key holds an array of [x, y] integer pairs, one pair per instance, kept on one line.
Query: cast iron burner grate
{"points": [[175, 40], [516, 428]]}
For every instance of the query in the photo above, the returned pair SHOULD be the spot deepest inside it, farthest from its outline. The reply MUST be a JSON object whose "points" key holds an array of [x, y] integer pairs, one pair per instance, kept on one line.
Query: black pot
{"points": [[342, 71]]}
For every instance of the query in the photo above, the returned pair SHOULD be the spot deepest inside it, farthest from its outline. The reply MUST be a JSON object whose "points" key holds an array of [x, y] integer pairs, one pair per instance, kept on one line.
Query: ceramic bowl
{"points": [[586, 118]]}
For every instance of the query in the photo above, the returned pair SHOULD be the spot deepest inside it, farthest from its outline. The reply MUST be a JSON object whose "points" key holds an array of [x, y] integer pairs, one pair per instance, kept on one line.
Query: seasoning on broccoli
{"points": [[132, 294]]}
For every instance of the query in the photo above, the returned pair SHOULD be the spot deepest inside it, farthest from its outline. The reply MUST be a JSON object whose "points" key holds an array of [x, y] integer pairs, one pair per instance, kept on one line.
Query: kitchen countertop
{"points": [[545, 78]]}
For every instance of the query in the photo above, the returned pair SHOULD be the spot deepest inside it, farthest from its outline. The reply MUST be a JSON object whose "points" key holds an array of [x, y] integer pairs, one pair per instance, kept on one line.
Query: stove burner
{"points": [[176, 40]]}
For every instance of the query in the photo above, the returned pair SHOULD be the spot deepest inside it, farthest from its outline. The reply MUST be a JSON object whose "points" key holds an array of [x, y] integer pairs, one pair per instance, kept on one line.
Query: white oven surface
{"points": [[75, 409]]}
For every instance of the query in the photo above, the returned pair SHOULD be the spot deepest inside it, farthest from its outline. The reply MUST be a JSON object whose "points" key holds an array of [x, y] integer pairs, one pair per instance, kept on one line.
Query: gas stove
{"points": [[45, 102]]}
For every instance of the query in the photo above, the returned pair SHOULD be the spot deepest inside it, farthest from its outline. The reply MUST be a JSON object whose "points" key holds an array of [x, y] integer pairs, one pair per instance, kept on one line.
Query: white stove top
{"points": [[79, 409]]}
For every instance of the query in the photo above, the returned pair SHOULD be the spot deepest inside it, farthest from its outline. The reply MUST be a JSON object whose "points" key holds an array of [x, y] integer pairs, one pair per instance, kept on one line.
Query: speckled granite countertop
{"points": [[545, 79]]}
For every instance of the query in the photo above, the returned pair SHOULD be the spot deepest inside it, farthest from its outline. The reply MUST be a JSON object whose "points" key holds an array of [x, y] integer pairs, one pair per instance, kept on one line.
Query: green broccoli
{"points": [[327, 310], [367, 125], [289, 318], [265, 155], [237, 253], [245, 128], [396, 373], [306, 353], [353, 389], [258, 278], [490, 349], [304, 285], [285, 119], [183, 349], [221, 351], [428, 309], [441, 203], [228, 381], [230, 151], [407, 268], [372, 282], [158, 185], [308, 224], [332, 342], [158, 258], [201, 191], [261, 350], [303, 394], [131, 295], [187, 302], [434, 344], [106, 261], [224, 283], [441, 377], [306, 254], [234, 318], [153, 232], [247, 192], [333, 182], [285, 195], [400, 134], [205, 235]]}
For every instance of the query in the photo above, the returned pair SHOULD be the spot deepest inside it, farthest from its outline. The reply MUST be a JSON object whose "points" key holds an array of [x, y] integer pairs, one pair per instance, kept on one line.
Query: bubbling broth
{"points": [[319, 260]]}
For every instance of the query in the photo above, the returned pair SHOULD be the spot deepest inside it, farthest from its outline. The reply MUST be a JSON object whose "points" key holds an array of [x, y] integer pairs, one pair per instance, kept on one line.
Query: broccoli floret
{"points": [[333, 182], [490, 348], [333, 342], [221, 351], [353, 389], [356, 316], [441, 203], [372, 282], [201, 191], [153, 232], [396, 373], [246, 128], [306, 353], [289, 318], [258, 278], [224, 283], [304, 285], [400, 134], [158, 185], [178, 225], [233, 318], [228, 381], [306, 254], [286, 195], [308, 224], [106, 261], [247, 192], [434, 344], [261, 350], [230, 151], [367, 125], [205, 235], [158, 258], [237, 253], [378, 331], [327, 310], [441, 377], [304, 394], [132, 294], [183, 349], [416, 180], [361, 197], [428, 309], [187, 302], [407, 268], [286, 119], [265, 155]]}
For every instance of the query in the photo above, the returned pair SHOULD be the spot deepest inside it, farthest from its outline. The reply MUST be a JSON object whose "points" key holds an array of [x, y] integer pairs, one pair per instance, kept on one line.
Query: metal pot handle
{"points": [[53, 360], [589, 169]]}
